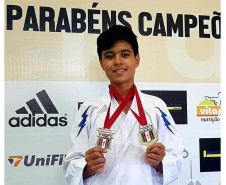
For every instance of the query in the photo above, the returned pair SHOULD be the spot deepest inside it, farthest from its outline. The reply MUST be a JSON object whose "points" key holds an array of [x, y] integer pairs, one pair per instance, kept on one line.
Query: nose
{"points": [[117, 60]]}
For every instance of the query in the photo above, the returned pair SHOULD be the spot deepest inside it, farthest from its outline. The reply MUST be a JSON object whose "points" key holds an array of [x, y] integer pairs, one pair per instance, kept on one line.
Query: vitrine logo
{"points": [[210, 109], [38, 113]]}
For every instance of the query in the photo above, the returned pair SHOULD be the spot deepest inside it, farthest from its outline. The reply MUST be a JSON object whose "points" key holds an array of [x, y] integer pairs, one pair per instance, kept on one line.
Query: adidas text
{"points": [[32, 121]]}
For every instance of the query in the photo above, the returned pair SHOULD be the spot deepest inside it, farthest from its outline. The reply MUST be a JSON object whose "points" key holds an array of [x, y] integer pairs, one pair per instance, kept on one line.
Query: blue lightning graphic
{"points": [[82, 123], [167, 123]]}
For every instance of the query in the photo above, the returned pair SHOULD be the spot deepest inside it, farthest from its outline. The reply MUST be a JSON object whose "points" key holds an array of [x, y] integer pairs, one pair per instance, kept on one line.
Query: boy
{"points": [[125, 111]]}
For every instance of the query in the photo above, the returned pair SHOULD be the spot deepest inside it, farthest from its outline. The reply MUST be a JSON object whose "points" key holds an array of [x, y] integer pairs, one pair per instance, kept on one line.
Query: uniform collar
{"points": [[106, 98]]}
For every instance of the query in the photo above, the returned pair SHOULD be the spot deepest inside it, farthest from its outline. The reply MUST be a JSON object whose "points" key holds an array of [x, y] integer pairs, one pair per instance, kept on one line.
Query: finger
{"points": [[98, 168], [95, 155], [152, 162], [95, 149], [149, 147], [156, 150], [154, 157], [152, 150], [160, 146], [96, 162], [154, 145], [101, 150]]}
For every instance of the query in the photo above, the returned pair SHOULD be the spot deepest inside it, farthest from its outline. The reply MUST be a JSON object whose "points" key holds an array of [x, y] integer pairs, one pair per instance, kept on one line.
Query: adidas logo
{"points": [[37, 111]]}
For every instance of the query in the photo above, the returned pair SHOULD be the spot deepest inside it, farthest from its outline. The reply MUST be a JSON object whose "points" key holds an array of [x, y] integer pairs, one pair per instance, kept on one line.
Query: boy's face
{"points": [[119, 63]]}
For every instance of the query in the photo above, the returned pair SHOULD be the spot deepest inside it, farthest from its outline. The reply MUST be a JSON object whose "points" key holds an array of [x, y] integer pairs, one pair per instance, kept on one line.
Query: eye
{"points": [[109, 56], [125, 54]]}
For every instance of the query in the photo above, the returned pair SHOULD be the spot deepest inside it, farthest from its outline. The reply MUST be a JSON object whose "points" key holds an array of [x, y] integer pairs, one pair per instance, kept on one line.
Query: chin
{"points": [[120, 81]]}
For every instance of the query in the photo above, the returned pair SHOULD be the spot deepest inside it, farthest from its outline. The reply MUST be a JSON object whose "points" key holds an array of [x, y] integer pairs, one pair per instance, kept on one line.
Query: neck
{"points": [[123, 89]]}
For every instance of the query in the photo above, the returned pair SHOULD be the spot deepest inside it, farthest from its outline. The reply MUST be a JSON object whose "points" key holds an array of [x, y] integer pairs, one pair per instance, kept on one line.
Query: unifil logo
{"points": [[17, 158], [28, 161], [37, 116]]}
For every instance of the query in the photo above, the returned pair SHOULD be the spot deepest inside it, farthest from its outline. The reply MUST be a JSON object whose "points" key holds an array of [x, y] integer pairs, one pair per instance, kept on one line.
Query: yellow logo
{"points": [[174, 108], [211, 106], [211, 154]]}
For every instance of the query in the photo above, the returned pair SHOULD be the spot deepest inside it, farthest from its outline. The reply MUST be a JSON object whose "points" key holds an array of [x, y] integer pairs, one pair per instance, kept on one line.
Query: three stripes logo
{"points": [[38, 111], [35, 108]]}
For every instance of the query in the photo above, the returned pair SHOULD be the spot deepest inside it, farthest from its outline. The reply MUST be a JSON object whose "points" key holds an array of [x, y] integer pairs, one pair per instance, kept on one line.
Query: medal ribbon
{"points": [[113, 92], [141, 119]]}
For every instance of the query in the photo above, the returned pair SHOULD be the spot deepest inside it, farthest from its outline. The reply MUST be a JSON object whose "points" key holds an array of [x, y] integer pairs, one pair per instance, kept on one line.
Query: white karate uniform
{"points": [[125, 162]]}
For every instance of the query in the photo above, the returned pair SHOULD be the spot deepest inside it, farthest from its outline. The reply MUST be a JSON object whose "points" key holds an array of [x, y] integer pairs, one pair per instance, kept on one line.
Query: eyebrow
{"points": [[108, 52], [126, 50], [111, 52]]}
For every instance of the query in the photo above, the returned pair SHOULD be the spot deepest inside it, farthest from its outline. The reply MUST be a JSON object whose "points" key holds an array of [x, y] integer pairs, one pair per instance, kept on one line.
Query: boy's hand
{"points": [[154, 155], [95, 161]]}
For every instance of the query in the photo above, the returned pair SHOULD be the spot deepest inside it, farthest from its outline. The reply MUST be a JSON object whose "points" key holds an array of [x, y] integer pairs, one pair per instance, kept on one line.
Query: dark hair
{"points": [[109, 37]]}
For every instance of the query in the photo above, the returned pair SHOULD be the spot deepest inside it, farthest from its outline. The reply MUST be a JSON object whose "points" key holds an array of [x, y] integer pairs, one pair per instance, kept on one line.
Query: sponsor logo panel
{"points": [[80, 104], [176, 102], [210, 154], [38, 112], [209, 109], [34, 160]]}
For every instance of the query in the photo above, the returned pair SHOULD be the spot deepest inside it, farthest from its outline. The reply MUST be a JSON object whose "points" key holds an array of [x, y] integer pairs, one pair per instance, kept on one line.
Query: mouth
{"points": [[119, 70]]}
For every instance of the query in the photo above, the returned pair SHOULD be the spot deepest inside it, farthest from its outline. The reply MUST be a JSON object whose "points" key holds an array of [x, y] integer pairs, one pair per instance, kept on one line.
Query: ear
{"points": [[101, 63], [137, 60]]}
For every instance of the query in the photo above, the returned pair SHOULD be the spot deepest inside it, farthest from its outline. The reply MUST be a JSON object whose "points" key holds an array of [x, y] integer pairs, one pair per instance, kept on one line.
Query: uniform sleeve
{"points": [[170, 138], [74, 162]]}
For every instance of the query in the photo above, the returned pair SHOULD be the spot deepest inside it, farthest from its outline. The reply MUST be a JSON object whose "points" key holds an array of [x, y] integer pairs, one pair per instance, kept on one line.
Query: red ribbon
{"points": [[133, 91]]}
